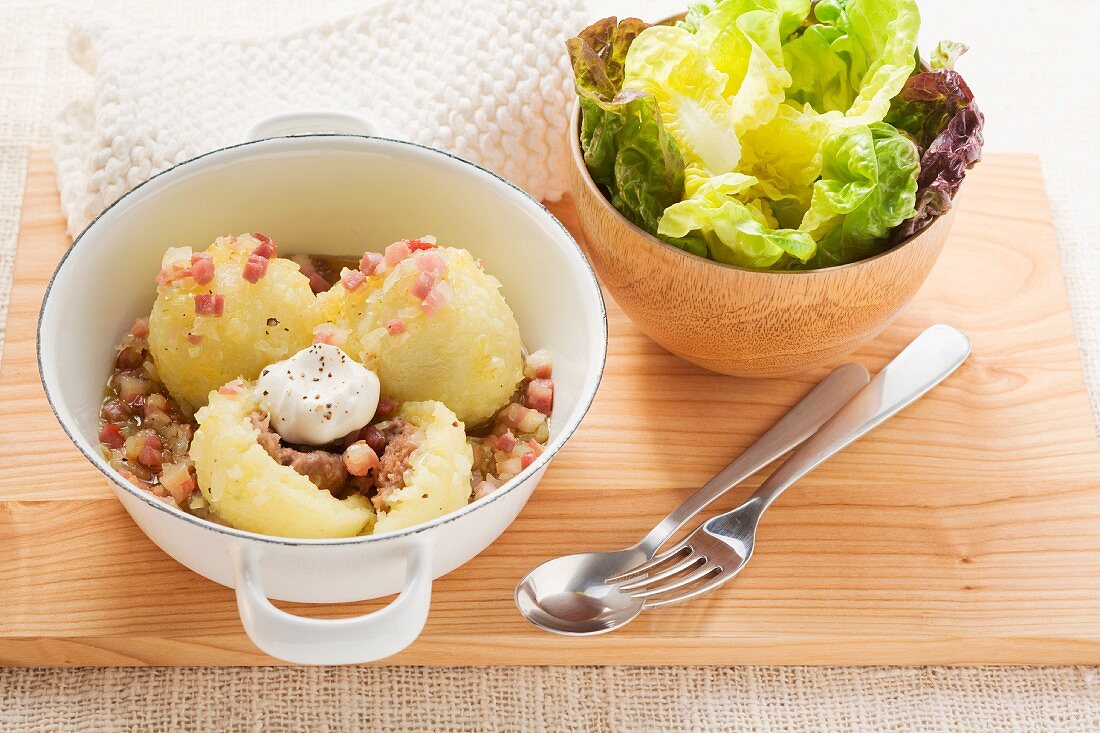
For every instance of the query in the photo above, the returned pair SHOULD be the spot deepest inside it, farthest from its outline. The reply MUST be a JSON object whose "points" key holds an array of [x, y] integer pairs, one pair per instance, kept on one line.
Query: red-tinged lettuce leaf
{"points": [[627, 150], [927, 103], [937, 109]]}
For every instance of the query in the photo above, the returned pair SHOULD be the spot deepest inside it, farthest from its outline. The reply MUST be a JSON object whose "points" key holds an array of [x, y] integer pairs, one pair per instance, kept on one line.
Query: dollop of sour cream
{"points": [[317, 396]]}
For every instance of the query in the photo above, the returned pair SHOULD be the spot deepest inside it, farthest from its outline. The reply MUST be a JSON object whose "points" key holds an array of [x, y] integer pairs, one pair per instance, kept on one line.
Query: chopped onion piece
{"points": [[360, 459], [131, 387], [177, 480]]}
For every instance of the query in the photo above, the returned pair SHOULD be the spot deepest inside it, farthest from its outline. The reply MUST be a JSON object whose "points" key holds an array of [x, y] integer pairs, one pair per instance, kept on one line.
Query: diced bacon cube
{"points": [[422, 285], [433, 301], [396, 327], [202, 268], [540, 365], [520, 418], [397, 252], [535, 446], [540, 395], [140, 329], [266, 247], [305, 263], [150, 450], [386, 407], [526, 460], [236, 387], [506, 442], [421, 244], [115, 411], [194, 338], [375, 438], [111, 436], [360, 458], [255, 267], [209, 304], [326, 333], [352, 279], [430, 263], [370, 262]]}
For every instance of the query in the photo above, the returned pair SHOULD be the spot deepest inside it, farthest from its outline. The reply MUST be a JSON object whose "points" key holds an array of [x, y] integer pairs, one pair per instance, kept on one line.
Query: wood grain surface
{"points": [[965, 530]]}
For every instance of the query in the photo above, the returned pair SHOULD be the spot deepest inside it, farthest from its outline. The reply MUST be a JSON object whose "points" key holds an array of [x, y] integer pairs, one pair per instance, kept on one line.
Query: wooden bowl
{"points": [[743, 322]]}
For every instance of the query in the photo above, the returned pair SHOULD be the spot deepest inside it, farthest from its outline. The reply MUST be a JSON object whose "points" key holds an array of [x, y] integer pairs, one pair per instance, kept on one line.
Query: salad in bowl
{"points": [[775, 135]]}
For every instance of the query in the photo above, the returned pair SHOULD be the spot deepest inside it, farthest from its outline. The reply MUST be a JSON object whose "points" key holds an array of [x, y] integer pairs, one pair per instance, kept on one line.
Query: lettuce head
{"points": [[779, 134]]}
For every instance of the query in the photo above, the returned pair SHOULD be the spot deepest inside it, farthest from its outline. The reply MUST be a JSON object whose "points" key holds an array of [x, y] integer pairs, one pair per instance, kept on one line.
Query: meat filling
{"points": [[326, 470], [394, 461], [393, 440]]}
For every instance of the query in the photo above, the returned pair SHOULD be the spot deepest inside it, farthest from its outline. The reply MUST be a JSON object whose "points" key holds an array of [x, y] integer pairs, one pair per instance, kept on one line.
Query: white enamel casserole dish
{"points": [[336, 194]]}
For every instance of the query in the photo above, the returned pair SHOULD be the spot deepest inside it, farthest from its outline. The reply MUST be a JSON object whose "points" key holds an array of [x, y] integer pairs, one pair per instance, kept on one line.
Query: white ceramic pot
{"points": [[322, 193]]}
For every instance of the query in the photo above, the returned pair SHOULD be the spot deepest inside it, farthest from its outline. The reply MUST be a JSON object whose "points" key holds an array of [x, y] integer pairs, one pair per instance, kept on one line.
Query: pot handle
{"points": [[355, 640], [305, 122]]}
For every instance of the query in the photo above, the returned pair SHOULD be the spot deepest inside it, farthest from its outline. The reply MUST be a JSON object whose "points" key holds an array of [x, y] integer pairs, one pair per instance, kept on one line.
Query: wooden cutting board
{"points": [[965, 530]]}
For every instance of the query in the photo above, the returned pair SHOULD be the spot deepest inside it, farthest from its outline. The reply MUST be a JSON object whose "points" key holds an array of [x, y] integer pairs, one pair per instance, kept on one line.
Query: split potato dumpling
{"points": [[437, 480], [260, 322], [466, 353], [247, 488]]}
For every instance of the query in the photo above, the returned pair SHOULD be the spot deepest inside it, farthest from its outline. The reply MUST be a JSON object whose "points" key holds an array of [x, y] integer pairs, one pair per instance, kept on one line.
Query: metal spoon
{"points": [[569, 595]]}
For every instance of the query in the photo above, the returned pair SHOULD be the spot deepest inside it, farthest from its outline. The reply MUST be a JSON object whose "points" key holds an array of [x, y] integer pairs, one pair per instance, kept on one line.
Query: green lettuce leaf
{"points": [[736, 232], [715, 86], [792, 14], [744, 41], [784, 156], [717, 82], [855, 58], [946, 54], [868, 186], [627, 149], [666, 63]]}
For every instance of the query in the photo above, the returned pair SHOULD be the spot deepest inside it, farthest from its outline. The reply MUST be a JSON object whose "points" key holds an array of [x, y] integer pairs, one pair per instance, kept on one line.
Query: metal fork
{"points": [[721, 546]]}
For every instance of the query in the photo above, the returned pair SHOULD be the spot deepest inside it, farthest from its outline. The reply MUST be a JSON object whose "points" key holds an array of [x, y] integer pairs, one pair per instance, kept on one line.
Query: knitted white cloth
{"points": [[487, 80]]}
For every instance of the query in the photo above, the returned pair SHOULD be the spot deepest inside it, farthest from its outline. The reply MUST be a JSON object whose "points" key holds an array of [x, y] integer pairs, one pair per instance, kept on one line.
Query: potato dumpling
{"points": [[247, 488], [434, 326], [226, 313], [437, 480]]}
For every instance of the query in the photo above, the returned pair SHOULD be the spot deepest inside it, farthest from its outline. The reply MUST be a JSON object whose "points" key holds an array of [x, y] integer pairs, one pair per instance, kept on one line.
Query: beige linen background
{"points": [[1030, 67]]}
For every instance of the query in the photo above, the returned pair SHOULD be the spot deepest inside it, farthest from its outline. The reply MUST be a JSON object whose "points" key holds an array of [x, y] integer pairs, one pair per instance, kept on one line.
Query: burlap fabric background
{"points": [[1031, 67]]}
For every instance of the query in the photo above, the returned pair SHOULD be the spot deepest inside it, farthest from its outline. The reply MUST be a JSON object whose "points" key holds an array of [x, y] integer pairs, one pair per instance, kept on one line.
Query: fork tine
{"points": [[685, 564], [652, 563], [711, 584], [704, 571]]}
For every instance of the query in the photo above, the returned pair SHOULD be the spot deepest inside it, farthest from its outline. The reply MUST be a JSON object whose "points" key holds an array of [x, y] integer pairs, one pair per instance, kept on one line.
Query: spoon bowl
{"points": [[570, 595]]}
